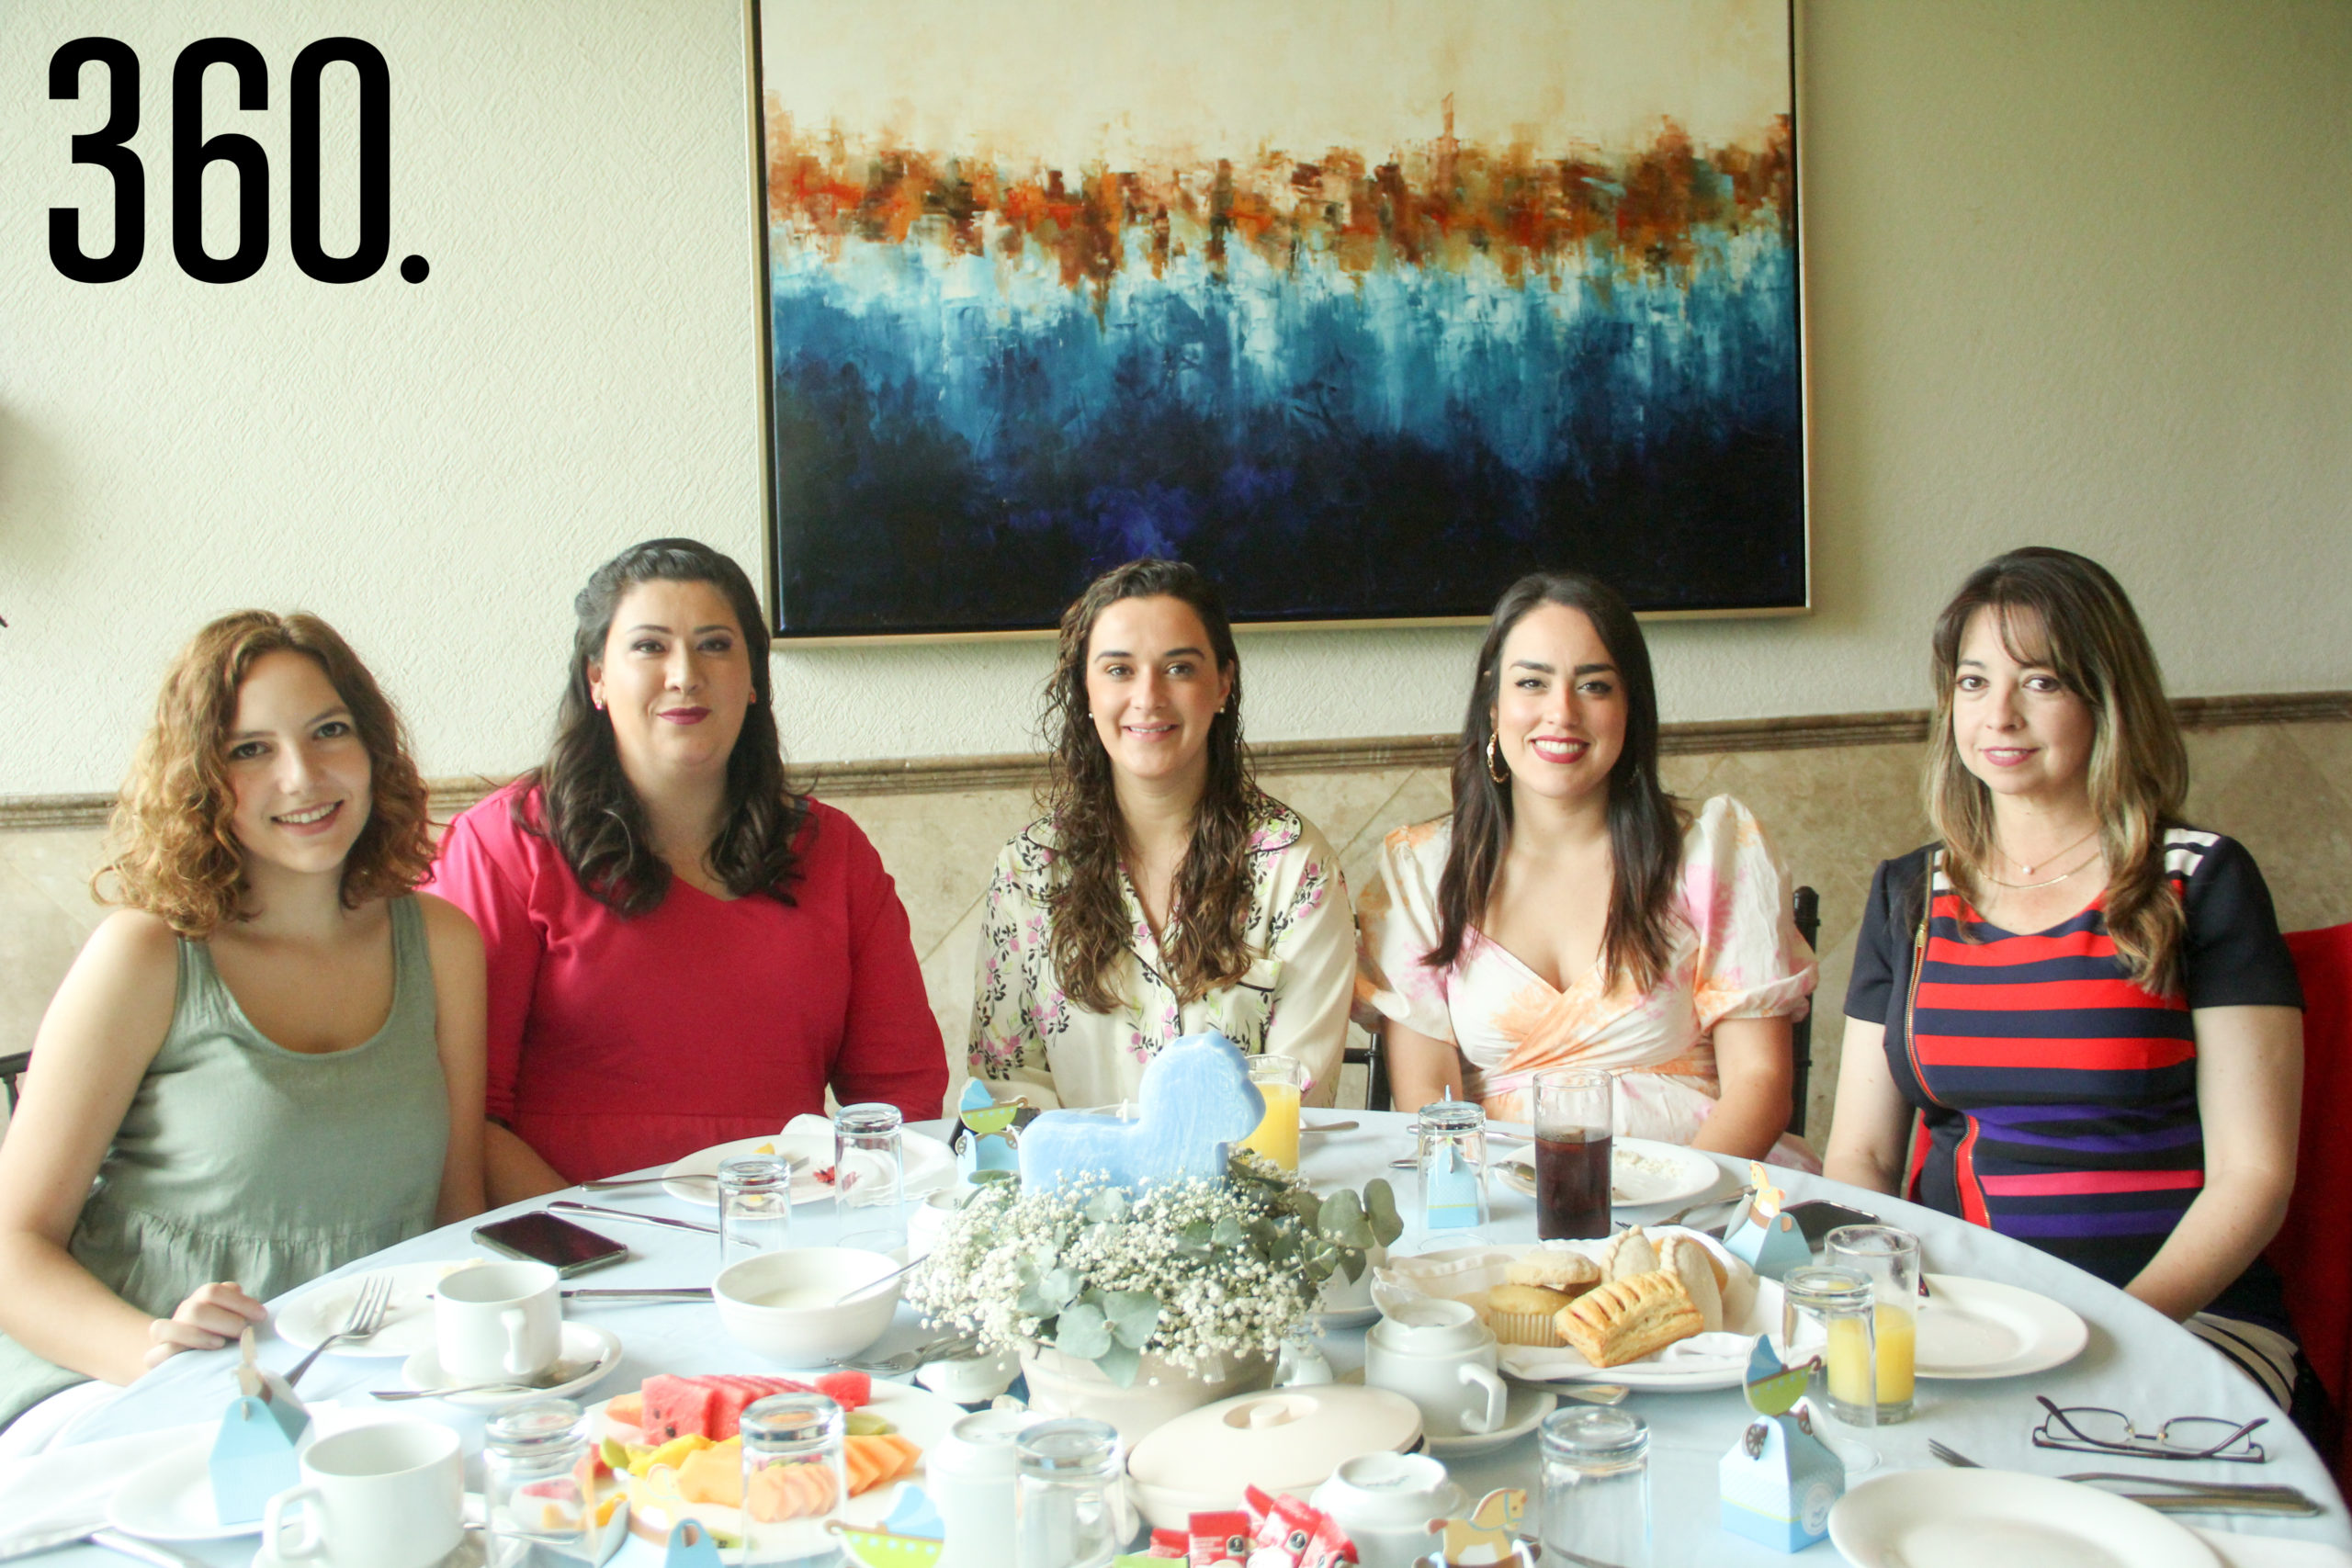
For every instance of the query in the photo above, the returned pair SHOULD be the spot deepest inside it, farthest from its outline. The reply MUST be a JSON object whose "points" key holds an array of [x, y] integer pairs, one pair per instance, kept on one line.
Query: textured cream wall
{"points": [[2077, 275]]}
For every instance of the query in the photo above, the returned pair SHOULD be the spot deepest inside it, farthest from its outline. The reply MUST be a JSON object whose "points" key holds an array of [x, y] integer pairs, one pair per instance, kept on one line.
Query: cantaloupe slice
{"points": [[628, 1409], [713, 1474], [790, 1492], [876, 1460]]}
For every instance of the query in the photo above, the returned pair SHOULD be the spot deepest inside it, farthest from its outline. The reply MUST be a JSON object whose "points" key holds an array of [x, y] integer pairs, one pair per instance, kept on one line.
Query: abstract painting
{"points": [[1363, 308]]}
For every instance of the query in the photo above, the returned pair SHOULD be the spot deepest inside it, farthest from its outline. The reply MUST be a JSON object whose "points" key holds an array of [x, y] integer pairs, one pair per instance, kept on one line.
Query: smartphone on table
{"points": [[542, 1237]]}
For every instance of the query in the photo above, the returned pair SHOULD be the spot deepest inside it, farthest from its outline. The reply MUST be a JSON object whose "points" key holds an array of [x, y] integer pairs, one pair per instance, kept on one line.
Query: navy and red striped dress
{"points": [[2059, 1098]]}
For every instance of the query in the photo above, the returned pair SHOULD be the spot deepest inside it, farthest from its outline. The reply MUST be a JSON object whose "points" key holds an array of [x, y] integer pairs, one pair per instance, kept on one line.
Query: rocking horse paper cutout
{"points": [[1763, 1235], [1195, 1102]]}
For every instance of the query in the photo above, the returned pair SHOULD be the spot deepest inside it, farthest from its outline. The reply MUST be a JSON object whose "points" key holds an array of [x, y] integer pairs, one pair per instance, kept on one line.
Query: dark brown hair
{"points": [[177, 855], [1646, 826], [1206, 944], [2081, 626], [587, 808]]}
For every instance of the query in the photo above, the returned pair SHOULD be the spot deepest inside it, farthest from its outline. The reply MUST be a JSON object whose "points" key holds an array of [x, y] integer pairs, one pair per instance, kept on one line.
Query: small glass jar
{"points": [[869, 1177], [1596, 1487], [796, 1476], [538, 1511], [755, 1206], [1450, 1160], [1829, 1314], [1071, 1509]]}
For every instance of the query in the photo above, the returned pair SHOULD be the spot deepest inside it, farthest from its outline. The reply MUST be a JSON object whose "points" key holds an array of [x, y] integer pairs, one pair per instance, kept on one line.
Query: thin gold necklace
{"points": [[2045, 860], [2028, 886]]}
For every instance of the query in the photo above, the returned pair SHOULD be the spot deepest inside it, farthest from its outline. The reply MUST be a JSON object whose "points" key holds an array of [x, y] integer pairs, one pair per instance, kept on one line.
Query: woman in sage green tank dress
{"points": [[271, 1061]]}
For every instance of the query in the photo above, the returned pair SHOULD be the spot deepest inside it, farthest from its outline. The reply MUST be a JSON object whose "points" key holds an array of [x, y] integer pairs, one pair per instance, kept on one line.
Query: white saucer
{"points": [[1521, 1415], [472, 1550], [309, 1318], [600, 1348], [170, 1498]]}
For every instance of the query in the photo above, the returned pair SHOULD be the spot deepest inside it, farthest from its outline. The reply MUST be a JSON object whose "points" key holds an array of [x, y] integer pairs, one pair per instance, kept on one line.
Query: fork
{"points": [[366, 1316], [948, 1350], [2184, 1497]]}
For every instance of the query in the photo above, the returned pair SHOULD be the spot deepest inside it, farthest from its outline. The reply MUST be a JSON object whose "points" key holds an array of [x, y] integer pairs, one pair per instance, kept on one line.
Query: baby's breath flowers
{"points": [[1191, 1271]]}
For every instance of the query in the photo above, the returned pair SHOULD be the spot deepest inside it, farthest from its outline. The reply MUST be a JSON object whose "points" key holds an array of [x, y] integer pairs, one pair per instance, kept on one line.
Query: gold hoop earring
{"points": [[1495, 768]]}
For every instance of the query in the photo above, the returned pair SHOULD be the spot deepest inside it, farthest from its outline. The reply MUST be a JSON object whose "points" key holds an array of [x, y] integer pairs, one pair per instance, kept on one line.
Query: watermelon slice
{"points": [[712, 1407]]}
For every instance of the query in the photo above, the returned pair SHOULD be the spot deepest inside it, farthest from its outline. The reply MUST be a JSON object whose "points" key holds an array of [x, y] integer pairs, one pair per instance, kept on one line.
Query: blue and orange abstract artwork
{"points": [[1363, 308]]}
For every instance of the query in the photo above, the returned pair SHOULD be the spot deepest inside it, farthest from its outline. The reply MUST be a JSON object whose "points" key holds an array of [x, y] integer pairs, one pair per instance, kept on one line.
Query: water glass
{"points": [[1071, 1510], [796, 1476], [1596, 1487], [1281, 1080], [1829, 1314], [1573, 1150], [1890, 1259], [869, 1177], [1450, 1161], [537, 1513], [755, 1206]]}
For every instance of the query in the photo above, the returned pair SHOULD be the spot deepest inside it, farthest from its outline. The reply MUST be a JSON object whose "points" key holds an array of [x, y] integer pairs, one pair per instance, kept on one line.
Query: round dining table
{"points": [[2135, 1360]]}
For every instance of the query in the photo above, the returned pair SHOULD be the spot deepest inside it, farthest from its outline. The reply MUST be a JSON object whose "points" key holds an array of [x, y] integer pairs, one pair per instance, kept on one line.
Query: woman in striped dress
{"points": [[2085, 1003]]}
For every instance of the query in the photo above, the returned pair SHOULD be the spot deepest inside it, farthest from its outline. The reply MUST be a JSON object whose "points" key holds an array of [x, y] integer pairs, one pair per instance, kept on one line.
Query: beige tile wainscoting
{"points": [[1837, 793]]}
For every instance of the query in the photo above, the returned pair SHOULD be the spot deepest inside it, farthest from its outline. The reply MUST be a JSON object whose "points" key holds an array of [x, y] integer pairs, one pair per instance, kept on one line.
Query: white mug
{"points": [[1437, 1354], [391, 1495], [498, 1320], [1384, 1502]]}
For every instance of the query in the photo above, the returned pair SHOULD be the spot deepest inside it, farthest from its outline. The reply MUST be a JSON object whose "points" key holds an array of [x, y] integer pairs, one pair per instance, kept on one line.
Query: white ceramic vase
{"points": [[1064, 1385]]}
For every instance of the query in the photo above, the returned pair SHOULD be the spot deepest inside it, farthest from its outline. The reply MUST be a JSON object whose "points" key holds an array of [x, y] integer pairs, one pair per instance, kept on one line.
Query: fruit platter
{"points": [[674, 1449]]}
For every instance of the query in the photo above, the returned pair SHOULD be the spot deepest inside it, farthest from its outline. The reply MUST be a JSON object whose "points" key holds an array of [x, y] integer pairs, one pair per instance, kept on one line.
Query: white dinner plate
{"points": [[595, 1352], [922, 1418], [1641, 1173], [309, 1318], [1982, 1328], [1964, 1519], [170, 1498], [929, 1165]]}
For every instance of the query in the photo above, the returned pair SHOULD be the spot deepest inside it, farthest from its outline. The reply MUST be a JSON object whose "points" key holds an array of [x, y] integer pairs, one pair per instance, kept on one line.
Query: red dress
{"points": [[618, 1043]]}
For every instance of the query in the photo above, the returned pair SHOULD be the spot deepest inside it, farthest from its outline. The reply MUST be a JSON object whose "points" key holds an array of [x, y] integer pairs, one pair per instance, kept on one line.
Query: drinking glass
{"points": [[869, 1177], [1572, 1153], [794, 1477], [1071, 1510], [1281, 1081], [1450, 1159], [1890, 1259], [537, 1514], [1827, 1314], [1596, 1487], [755, 1206]]}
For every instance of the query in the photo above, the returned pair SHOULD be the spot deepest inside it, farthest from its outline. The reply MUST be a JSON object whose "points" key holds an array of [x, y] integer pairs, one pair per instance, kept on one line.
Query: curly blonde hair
{"points": [[176, 854]]}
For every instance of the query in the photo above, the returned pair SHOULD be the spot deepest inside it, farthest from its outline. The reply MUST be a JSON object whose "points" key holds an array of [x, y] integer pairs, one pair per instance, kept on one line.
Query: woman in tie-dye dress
{"points": [[1570, 912]]}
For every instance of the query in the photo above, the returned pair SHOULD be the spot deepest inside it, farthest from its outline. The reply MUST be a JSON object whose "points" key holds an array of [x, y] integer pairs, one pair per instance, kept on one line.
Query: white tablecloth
{"points": [[2137, 1361]]}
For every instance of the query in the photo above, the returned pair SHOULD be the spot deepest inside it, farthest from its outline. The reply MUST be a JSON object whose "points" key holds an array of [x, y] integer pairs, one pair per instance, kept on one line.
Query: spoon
{"points": [[555, 1376], [1327, 1126]]}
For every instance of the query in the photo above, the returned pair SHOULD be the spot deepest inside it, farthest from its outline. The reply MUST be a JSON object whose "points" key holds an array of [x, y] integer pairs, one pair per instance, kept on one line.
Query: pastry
{"points": [[1522, 1315], [1629, 1253], [1555, 1269], [1696, 1267], [1626, 1319]]}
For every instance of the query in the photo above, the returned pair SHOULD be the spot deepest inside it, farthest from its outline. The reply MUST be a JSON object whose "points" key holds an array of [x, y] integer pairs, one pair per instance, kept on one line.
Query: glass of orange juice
{"points": [[1281, 1080], [1890, 1259]]}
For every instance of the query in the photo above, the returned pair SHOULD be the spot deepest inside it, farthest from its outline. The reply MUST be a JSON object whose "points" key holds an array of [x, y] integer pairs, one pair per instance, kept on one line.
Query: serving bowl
{"points": [[783, 1305]]}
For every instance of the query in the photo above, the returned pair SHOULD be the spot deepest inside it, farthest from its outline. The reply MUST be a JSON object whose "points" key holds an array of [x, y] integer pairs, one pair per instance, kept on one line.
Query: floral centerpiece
{"points": [[1198, 1274]]}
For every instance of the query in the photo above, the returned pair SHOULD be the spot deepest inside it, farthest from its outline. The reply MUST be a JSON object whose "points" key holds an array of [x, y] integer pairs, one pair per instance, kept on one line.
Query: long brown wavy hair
{"points": [[2067, 614], [176, 854], [586, 806], [1646, 824], [1206, 944]]}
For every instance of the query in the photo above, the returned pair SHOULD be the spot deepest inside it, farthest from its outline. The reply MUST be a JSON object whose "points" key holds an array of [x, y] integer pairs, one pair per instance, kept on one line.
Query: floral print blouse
{"points": [[1737, 955], [1030, 1037]]}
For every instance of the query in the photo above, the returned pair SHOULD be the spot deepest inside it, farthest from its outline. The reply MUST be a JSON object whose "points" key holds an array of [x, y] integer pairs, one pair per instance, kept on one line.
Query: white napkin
{"points": [[73, 1486], [2272, 1550]]}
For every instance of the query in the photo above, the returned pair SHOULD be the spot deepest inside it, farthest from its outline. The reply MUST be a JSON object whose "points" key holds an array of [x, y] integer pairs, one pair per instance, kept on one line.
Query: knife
{"points": [[626, 1214], [96, 1535]]}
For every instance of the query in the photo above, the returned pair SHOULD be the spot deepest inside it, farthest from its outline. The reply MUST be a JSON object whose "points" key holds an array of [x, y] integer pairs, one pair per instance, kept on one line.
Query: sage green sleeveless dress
{"points": [[242, 1161]]}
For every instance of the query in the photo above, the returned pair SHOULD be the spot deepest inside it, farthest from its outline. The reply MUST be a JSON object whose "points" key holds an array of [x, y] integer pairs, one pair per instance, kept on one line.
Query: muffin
{"points": [[1524, 1315]]}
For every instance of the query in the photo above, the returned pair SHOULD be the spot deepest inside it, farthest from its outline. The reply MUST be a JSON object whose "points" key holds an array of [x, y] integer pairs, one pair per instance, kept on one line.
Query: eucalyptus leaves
{"points": [[1191, 1271]]}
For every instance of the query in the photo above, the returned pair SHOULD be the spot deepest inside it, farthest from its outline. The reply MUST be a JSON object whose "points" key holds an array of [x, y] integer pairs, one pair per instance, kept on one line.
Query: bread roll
{"points": [[1696, 1267], [1630, 1253], [1555, 1269]]}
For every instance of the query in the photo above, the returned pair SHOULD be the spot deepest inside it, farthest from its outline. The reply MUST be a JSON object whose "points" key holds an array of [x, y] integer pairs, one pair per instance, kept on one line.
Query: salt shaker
{"points": [[975, 1481]]}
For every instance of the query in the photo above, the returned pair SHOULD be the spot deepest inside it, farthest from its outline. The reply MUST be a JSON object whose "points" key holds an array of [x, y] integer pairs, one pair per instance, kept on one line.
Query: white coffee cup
{"points": [[498, 1320], [1437, 1354], [391, 1495], [1384, 1502]]}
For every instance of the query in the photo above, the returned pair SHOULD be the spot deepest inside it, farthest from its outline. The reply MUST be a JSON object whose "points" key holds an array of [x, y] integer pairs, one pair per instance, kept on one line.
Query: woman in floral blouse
{"points": [[1162, 894], [1571, 913]]}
